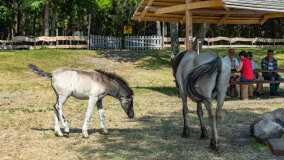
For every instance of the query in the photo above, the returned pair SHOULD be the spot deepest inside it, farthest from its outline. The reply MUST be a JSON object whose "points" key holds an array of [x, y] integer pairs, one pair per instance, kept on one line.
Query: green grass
{"points": [[27, 117], [258, 145]]}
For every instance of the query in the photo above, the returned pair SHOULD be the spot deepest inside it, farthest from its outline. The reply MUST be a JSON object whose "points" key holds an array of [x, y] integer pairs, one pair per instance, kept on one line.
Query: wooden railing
{"points": [[131, 42], [254, 42]]}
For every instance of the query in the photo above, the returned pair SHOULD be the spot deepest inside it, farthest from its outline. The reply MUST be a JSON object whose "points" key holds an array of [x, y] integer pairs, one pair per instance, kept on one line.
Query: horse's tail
{"points": [[205, 69], [39, 72]]}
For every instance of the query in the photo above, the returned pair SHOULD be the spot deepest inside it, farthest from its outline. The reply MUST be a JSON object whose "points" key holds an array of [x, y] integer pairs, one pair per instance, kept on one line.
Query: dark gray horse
{"points": [[201, 78], [92, 85]]}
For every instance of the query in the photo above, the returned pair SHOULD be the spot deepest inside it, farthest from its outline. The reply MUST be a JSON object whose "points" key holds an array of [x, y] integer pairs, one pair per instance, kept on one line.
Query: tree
{"points": [[174, 38]]}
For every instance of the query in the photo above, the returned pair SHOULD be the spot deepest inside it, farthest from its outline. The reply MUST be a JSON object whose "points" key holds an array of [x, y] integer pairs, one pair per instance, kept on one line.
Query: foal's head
{"points": [[127, 105], [122, 92]]}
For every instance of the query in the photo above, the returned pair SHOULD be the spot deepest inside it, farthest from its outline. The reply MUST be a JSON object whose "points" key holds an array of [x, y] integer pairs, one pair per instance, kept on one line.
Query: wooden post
{"points": [[163, 35], [197, 46], [189, 38], [56, 37], [12, 37], [89, 31]]}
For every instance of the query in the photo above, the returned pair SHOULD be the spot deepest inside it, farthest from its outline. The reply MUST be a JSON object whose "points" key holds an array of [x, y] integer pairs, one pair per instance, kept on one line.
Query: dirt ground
{"points": [[27, 117]]}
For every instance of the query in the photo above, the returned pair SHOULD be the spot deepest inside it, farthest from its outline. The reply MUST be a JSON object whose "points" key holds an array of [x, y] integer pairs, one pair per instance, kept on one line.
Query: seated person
{"points": [[233, 62], [247, 71], [257, 77], [269, 63]]}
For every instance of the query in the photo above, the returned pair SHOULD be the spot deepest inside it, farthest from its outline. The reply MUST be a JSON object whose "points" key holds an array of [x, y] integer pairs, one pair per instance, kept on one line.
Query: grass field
{"points": [[27, 117]]}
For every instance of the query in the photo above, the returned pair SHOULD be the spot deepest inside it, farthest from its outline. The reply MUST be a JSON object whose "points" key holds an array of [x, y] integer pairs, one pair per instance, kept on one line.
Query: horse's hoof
{"points": [[185, 133], [86, 137], [105, 132], [66, 134], [58, 134], [203, 137], [214, 146]]}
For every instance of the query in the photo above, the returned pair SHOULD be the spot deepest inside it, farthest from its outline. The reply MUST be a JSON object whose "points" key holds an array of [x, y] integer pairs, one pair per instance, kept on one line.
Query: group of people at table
{"points": [[247, 66]]}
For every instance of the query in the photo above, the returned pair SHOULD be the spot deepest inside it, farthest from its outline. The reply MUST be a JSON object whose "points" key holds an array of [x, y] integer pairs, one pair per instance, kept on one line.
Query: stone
{"points": [[267, 129], [279, 114], [268, 116]]}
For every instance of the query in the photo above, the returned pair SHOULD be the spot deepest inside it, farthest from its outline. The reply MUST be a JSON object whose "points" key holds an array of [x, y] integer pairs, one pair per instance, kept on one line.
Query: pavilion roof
{"points": [[210, 11]]}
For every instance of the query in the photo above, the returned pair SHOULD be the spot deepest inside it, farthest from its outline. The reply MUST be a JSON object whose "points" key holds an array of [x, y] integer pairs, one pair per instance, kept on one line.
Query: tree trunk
{"points": [[46, 20], [200, 35], [53, 22], [174, 39], [165, 29], [19, 18], [158, 24]]}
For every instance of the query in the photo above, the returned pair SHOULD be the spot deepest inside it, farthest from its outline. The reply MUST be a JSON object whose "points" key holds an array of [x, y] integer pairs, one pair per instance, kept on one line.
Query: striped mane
{"points": [[118, 79]]}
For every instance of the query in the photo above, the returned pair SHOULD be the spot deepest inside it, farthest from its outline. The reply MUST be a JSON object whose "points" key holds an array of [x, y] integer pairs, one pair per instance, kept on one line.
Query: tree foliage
{"points": [[26, 17]]}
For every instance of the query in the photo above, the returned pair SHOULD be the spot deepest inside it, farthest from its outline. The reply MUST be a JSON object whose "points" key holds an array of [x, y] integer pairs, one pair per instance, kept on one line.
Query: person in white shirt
{"points": [[233, 62]]}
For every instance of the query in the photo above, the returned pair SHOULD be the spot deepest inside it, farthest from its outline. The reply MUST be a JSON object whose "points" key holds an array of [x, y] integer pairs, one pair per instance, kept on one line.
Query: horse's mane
{"points": [[176, 61], [118, 79]]}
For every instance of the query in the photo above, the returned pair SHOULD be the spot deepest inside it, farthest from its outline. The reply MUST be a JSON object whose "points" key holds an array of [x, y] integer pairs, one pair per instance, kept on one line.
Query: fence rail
{"points": [[105, 42], [143, 42], [131, 42], [254, 42]]}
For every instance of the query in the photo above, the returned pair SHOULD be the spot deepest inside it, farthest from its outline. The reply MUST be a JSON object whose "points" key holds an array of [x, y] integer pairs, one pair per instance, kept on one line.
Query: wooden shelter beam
{"points": [[271, 15], [195, 5], [189, 35], [145, 10]]}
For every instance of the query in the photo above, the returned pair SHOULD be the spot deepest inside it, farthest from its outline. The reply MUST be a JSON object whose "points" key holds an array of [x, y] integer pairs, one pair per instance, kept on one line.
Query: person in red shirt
{"points": [[246, 66]]}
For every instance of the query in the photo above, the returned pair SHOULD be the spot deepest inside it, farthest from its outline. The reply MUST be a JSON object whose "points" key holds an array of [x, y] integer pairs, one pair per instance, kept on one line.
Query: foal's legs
{"points": [[101, 114], [56, 117], [202, 126], [185, 133], [214, 144], [92, 102], [59, 113]]}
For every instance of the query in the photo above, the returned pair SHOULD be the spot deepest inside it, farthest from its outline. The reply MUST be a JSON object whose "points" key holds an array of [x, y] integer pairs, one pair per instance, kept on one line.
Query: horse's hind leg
{"points": [[202, 126], [214, 144], [61, 101], [185, 133], [56, 117], [92, 102], [101, 114]]}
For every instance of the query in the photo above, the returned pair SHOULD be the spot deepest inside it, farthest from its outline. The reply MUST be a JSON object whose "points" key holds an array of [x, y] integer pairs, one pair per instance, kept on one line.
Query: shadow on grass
{"points": [[158, 137], [147, 59], [170, 91]]}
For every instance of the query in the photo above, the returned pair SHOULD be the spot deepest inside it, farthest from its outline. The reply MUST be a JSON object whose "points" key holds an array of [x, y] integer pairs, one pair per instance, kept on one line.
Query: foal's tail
{"points": [[39, 72], [208, 68]]}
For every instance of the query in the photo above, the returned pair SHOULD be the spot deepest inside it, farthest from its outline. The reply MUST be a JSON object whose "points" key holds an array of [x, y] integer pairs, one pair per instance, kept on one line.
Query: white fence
{"points": [[143, 42], [105, 42]]}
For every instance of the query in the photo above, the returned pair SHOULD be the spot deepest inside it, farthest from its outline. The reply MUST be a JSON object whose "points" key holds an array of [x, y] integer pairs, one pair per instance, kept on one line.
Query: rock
{"points": [[268, 116], [279, 114], [267, 129], [268, 125]]}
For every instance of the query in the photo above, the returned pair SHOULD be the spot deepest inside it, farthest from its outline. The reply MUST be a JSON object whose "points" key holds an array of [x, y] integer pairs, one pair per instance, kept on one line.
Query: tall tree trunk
{"points": [[165, 30], [19, 18], [174, 38], [200, 35], [46, 20], [158, 25], [53, 21]]}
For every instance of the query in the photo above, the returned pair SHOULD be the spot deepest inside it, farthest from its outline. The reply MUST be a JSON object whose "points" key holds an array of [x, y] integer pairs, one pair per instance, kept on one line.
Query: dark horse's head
{"points": [[127, 105]]}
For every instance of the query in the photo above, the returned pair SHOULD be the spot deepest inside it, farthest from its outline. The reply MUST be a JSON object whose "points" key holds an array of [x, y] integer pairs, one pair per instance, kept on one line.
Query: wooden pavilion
{"points": [[209, 11]]}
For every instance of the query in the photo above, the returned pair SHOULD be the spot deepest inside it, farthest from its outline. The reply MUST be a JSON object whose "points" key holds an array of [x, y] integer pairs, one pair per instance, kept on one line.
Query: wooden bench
{"points": [[258, 82]]}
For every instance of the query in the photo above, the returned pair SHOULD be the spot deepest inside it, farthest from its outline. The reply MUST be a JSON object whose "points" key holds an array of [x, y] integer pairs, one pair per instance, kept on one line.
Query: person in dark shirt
{"points": [[270, 63]]}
